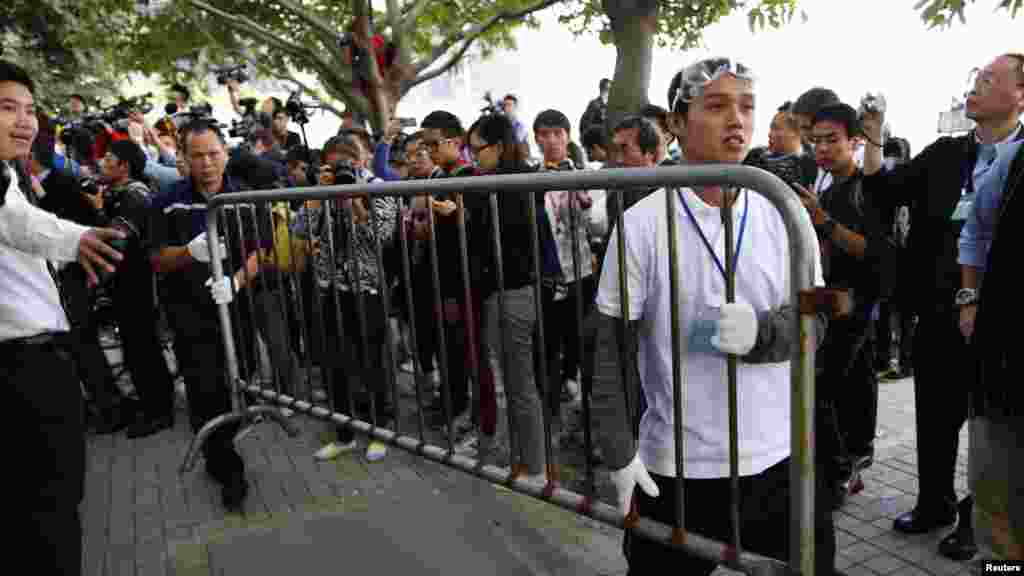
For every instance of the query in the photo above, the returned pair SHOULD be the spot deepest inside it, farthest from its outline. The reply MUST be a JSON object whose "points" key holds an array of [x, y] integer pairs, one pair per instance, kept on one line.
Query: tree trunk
{"points": [[633, 24]]}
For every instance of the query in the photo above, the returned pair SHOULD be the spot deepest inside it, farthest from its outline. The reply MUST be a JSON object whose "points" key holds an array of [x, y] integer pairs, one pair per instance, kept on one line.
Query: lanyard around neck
{"points": [[707, 244]]}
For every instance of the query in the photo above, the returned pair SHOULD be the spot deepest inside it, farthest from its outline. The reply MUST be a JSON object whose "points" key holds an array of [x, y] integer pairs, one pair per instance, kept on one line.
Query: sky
{"points": [[851, 47]]}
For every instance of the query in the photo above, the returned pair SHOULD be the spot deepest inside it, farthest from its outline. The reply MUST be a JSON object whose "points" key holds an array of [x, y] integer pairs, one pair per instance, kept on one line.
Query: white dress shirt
{"points": [[29, 300]]}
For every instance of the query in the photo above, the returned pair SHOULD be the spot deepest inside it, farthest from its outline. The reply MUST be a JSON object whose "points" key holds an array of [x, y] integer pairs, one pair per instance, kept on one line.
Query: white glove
{"points": [[199, 249], [737, 329], [222, 292], [625, 479]]}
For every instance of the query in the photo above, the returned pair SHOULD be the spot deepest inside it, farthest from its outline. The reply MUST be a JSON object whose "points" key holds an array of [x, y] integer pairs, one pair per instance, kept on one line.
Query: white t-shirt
{"points": [[762, 280]]}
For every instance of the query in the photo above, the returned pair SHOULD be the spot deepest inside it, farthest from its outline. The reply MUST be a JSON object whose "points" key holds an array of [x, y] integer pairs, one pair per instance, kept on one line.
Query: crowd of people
{"points": [[122, 212]]}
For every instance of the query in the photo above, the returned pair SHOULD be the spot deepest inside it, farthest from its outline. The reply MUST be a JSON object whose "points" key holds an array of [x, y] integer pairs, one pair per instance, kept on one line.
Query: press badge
{"points": [[963, 207]]}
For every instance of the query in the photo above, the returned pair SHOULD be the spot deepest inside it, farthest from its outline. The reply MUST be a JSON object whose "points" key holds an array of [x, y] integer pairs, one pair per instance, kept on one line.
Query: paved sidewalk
{"points": [[405, 514]]}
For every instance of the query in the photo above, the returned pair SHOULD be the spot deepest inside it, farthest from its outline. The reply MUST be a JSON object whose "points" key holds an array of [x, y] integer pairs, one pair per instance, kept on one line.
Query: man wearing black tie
{"points": [[44, 418], [938, 185]]}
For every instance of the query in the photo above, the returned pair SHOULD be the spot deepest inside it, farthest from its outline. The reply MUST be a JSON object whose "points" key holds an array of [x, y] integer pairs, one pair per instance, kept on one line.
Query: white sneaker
{"points": [[376, 450], [332, 450], [287, 412]]}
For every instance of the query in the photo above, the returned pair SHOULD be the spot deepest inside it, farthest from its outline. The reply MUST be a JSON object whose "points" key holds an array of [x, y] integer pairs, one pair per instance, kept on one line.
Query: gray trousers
{"points": [[513, 343], [996, 478], [274, 331]]}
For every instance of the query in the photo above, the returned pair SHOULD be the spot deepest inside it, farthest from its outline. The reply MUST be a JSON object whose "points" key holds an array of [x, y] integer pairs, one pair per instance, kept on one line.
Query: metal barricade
{"points": [[803, 297]]}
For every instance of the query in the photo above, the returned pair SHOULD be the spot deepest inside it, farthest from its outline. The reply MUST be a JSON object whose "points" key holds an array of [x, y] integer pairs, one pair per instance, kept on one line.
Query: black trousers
{"points": [[199, 348], [135, 313], [90, 362], [561, 333], [426, 319], [850, 385], [44, 423], [354, 363], [764, 514], [942, 377]]}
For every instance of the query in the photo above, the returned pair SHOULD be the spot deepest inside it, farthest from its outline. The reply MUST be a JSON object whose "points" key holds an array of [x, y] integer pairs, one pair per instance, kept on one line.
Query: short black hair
{"points": [[298, 154], [657, 114], [647, 138], [278, 105], [786, 106], [181, 89], [594, 136], [11, 72], [813, 100], [552, 119], [130, 152], [448, 123], [198, 126], [842, 114]]}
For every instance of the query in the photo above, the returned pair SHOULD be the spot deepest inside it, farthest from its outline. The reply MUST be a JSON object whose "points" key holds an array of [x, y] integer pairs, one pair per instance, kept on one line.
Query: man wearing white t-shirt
{"points": [[714, 103]]}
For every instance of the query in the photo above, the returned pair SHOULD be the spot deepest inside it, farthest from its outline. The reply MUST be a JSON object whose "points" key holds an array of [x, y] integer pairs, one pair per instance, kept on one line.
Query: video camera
{"points": [[492, 107], [204, 110], [116, 117], [250, 120], [296, 108], [237, 73]]}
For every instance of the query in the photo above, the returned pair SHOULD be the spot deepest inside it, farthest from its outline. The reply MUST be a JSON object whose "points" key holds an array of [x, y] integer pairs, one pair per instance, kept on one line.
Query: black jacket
{"points": [[998, 390], [931, 185], [64, 198], [514, 228]]}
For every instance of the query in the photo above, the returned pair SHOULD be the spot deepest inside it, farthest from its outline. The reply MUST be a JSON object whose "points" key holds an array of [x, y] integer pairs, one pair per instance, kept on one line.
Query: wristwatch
{"points": [[966, 297], [827, 227]]}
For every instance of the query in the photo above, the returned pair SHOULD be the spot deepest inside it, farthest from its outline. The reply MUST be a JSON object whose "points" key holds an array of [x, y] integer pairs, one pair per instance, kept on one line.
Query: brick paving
{"points": [[142, 518]]}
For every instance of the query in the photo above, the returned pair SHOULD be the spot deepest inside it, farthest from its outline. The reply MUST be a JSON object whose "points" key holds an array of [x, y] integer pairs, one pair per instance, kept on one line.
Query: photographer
{"points": [[351, 362], [124, 205], [284, 138], [856, 250]]}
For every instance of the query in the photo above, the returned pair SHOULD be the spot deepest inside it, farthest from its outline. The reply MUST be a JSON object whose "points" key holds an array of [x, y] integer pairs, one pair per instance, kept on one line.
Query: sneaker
{"points": [[376, 450], [332, 450], [287, 412], [570, 391], [408, 367]]}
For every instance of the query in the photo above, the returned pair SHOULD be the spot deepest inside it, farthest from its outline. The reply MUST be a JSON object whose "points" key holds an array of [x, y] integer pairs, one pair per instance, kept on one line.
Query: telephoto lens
{"points": [[122, 245]]}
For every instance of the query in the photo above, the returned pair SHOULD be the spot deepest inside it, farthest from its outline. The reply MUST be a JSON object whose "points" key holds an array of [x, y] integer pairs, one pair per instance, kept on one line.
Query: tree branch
{"points": [[326, 33], [245, 25], [468, 37], [288, 77]]}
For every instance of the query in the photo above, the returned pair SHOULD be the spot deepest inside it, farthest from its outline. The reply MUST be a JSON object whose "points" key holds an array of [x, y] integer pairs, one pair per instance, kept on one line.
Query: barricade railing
{"points": [[256, 227]]}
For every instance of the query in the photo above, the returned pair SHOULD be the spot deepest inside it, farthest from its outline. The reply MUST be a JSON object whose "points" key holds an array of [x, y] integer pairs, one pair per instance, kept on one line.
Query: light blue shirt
{"points": [[976, 236]]}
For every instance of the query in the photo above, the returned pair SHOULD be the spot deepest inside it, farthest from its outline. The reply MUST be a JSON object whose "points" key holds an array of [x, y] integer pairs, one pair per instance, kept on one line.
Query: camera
{"points": [[237, 73], [250, 120], [344, 173], [89, 185], [872, 102], [296, 108], [122, 245], [789, 168]]}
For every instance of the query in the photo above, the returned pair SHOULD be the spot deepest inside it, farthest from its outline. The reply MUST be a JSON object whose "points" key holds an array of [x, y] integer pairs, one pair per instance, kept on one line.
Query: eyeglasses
{"points": [[696, 77]]}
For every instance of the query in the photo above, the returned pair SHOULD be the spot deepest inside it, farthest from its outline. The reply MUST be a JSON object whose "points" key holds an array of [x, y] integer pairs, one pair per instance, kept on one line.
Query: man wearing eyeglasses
{"points": [[714, 105], [939, 185]]}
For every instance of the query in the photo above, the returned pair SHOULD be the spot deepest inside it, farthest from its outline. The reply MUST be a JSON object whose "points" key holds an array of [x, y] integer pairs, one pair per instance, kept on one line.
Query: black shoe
{"points": [[920, 521], [148, 426], [233, 494], [959, 545]]}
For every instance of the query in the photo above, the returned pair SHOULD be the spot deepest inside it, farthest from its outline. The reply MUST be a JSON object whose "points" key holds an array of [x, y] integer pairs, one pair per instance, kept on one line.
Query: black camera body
{"points": [[344, 173], [237, 73]]}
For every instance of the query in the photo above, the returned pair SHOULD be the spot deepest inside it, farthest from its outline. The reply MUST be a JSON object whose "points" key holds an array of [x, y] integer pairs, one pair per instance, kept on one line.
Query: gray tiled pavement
{"points": [[142, 519]]}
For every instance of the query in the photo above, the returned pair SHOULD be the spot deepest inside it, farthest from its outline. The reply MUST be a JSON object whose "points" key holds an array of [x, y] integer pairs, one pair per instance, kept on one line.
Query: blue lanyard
{"points": [[711, 250]]}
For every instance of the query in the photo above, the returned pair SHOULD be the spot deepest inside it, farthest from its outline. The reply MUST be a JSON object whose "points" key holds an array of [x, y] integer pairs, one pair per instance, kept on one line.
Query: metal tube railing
{"points": [[802, 258]]}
